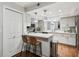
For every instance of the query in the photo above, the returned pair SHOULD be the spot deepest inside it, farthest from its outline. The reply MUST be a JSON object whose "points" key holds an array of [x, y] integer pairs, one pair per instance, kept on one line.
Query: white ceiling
{"points": [[26, 4], [31, 4], [57, 9]]}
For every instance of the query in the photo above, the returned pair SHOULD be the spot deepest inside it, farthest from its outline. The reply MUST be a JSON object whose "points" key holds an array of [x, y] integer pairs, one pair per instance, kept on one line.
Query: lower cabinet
{"points": [[54, 49], [45, 49], [66, 51], [69, 39], [59, 50], [65, 45]]}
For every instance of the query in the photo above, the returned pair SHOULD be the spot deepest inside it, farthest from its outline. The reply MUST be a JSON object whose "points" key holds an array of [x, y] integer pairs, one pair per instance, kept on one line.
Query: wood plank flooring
{"points": [[25, 54]]}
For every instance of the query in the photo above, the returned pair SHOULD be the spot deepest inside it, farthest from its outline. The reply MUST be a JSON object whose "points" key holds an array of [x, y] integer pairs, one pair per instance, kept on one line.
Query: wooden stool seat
{"points": [[25, 40], [34, 42], [31, 42]]}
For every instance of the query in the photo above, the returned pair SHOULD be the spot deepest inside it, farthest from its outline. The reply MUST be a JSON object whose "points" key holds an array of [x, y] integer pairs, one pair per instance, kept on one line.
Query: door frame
{"points": [[12, 9]]}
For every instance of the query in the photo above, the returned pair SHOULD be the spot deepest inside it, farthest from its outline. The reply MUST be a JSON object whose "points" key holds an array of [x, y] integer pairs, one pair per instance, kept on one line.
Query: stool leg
{"points": [[34, 49], [41, 49], [29, 50], [21, 49], [26, 49]]}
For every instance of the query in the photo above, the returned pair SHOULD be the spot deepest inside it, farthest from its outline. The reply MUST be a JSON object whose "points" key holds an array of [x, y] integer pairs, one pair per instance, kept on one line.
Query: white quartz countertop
{"points": [[62, 32], [40, 35]]}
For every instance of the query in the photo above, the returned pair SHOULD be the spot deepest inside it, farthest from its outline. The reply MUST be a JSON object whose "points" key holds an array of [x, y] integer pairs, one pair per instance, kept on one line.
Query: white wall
{"points": [[12, 5], [1, 29]]}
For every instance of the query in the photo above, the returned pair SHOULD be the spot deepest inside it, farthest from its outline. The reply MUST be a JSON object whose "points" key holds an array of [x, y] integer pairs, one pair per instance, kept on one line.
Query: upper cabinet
{"points": [[67, 24], [44, 26], [28, 20], [47, 26], [77, 24]]}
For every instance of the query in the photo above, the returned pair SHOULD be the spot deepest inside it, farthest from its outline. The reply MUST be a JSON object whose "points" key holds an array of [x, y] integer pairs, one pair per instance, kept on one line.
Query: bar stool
{"points": [[33, 41], [25, 40]]}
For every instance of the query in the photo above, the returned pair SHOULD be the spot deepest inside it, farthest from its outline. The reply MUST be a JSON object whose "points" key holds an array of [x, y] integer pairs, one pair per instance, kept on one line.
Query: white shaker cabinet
{"points": [[69, 39], [28, 20], [67, 21], [72, 40], [47, 26], [45, 49]]}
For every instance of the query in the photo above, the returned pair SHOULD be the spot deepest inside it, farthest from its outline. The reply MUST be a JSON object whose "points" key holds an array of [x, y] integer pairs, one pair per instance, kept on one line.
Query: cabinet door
{"points": [[56, 38], [47, 26], [28, 20], [41, 25], [65, 39], [45, 49], [66, 51], [72, 40], [70, 21], [77, 24]]}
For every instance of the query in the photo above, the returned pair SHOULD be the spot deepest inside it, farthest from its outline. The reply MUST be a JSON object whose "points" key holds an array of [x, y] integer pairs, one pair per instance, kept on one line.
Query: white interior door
{"points": [[12, 31]]}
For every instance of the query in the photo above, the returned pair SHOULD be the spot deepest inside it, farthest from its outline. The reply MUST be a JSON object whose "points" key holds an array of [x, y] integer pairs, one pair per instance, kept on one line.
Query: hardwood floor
{"points": [[25, 54]]}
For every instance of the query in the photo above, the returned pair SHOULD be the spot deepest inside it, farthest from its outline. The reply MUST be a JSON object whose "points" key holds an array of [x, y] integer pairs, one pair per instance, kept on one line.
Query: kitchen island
{"points": [[46, 40], [62, 43]]}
